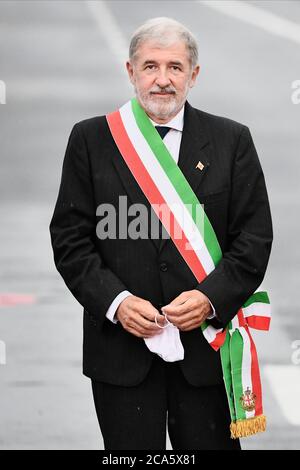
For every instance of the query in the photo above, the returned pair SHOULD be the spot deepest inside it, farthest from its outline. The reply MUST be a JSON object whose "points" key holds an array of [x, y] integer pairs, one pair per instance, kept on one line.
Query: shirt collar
{"points": [[175, 123]]}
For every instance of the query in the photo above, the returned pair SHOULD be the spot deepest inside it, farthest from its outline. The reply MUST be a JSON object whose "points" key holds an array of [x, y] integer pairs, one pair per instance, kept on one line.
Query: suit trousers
{"points": [[136, 417]]}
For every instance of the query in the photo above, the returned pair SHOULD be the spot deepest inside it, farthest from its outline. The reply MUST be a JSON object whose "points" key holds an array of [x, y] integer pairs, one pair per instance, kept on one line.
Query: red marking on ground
{"points": [[8, 300]]}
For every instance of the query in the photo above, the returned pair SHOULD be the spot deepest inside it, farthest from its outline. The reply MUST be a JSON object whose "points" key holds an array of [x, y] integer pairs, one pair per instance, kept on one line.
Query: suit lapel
{"points": [[193, 149]]}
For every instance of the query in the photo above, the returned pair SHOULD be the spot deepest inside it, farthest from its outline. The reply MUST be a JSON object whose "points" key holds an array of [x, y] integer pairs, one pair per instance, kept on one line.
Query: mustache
{"points": [[166, 90]]}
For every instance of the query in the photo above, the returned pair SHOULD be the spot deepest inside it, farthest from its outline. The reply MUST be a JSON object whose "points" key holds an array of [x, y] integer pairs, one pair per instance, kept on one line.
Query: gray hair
{"points": [[164, 31]]}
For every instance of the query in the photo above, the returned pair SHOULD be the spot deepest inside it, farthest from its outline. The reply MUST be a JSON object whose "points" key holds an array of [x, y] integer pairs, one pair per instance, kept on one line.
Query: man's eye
{"points": [[150, 67], [174, 67]]}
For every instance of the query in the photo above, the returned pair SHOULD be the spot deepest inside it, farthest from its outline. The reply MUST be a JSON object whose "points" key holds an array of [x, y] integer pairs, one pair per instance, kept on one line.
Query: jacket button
{"points": [[163, 267]]}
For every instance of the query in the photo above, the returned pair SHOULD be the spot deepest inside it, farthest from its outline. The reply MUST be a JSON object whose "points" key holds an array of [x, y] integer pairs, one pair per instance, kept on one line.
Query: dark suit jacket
{"points": [[232, 188]]}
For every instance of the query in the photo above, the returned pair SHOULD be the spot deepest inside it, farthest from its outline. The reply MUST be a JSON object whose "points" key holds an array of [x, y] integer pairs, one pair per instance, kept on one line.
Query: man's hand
{"points": [[189, 310], [137, 316]]}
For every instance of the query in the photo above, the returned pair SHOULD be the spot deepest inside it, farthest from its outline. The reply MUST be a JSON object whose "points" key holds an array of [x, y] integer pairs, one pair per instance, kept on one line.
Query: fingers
{"points": [[179, 309], [191, 302], [187, 321], [191, 325], [144, 317], [137, 316], [141, 327], [139, 333], [181, 298]]}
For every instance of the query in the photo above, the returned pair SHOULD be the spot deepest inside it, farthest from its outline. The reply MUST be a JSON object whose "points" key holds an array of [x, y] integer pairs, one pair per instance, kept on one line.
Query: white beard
{"points": [[158, 107]]}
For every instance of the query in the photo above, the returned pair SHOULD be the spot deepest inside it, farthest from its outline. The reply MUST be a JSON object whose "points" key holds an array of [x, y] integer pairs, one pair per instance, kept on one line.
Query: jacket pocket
{"points": [[215, 197]]}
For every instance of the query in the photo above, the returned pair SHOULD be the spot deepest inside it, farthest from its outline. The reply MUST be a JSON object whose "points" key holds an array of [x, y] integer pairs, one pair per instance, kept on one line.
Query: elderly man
{"points": [[148, 284]]}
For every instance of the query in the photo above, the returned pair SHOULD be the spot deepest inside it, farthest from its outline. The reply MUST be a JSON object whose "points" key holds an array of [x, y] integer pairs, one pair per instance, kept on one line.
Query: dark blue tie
{"points": [[162, 130]]}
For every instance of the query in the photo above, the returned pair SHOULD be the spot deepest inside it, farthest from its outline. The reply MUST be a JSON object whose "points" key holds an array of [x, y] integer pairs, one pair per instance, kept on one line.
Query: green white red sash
{"points": [[164, 184]]}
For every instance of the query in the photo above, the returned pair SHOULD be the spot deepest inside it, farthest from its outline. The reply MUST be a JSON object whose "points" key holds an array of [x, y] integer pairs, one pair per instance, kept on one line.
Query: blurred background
{"points": [[64, 61]]}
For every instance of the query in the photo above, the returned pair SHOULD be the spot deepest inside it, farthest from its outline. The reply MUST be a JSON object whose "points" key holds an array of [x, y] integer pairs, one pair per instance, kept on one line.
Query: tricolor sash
{"points": [[164, 184]]}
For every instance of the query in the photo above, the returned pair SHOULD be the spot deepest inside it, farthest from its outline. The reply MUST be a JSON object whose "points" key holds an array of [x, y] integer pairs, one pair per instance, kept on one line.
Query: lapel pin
{"points": [[200, 166]]}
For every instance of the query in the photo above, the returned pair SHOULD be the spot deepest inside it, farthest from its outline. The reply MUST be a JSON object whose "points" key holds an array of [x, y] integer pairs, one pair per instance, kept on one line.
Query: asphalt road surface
{"points": [[62, 62]]}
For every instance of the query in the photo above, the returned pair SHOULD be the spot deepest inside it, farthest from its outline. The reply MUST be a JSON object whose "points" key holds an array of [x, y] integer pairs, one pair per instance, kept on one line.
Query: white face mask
{"points": [[168, 344]]}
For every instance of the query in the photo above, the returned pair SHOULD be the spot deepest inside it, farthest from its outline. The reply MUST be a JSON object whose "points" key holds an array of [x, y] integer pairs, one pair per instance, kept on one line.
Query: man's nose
{"points": [[162, 79]]}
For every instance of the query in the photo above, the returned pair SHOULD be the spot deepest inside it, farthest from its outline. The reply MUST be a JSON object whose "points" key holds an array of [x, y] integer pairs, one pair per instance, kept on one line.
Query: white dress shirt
{"points": [[172, 141]]}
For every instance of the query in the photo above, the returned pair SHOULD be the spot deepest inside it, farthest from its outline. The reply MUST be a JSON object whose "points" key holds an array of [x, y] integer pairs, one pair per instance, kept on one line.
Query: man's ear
{"points": [[129, 68], [194, 75]]}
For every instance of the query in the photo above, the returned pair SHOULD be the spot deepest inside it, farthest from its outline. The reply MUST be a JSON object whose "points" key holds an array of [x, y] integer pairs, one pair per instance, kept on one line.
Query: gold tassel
{"points": [[248, 427]]}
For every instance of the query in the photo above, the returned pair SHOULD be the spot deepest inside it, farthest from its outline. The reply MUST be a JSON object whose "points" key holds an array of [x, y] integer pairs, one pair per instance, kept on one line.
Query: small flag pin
{"points": [[200, 166]]}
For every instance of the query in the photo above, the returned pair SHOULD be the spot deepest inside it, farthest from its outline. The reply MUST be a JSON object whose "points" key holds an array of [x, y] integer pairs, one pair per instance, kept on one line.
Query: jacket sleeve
{"points": [[243, 266], [73, 232]]}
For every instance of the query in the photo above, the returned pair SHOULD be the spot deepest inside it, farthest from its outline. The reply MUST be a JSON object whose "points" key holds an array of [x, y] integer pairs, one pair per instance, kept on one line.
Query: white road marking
{"points": [[258, 17], [110, 30], [285, 385]]}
